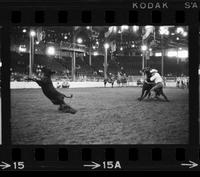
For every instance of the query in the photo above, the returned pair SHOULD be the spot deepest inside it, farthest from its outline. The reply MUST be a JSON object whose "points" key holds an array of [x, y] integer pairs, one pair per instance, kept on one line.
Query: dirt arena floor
{"points": [[105, 116]]}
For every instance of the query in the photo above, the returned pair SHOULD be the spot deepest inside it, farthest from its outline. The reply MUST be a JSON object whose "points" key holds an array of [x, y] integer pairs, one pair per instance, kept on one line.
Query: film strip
{"points": [[100, 55]]}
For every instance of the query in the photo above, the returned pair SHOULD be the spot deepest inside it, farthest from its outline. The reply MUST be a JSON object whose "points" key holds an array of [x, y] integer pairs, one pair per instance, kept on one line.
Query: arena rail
{"points": [[87, 84]]}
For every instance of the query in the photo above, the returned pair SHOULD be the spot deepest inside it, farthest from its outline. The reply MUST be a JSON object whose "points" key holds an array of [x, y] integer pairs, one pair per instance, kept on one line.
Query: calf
{"points": [[50, 92]]}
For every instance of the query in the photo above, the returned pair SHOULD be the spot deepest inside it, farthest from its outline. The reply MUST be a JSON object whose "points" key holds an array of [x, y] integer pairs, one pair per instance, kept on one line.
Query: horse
{"points": [[122, 80], [110, 80]]}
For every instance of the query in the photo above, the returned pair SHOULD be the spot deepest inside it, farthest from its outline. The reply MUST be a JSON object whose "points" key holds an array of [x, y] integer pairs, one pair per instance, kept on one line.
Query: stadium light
{"points": [[135, 28], [106, 46], [22, 48], [95, 53], [172, 53], [180, 30], [110, 29], [185, 34], [51, 51], [158, 54], [182, 54], [79, 40], [133, 45], [65, 37], [143, 48], [124, 27], [0, 64], [114, 29], [167, 32], [121, 48], [163, 31], [32, 33], [24, 30]]}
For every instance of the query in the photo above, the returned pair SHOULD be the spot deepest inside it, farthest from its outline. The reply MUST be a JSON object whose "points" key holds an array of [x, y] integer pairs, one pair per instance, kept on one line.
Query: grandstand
{"points": [[130, 64]]}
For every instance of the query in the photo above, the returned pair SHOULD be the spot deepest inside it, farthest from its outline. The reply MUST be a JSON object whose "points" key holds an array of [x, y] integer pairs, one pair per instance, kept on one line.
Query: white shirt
{"points": [[156, 78]]}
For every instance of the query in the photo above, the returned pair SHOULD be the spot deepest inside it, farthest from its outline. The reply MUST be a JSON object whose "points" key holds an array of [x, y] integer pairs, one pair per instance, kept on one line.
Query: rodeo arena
{"points": [[99, 85]]}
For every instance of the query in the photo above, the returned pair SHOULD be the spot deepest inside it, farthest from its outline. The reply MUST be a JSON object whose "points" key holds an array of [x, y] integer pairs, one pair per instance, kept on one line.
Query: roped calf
{"points": [[50, 92]]}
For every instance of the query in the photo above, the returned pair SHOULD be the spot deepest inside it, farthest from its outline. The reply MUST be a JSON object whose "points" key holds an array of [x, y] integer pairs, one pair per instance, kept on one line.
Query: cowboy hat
{"points": [[153, 71]]}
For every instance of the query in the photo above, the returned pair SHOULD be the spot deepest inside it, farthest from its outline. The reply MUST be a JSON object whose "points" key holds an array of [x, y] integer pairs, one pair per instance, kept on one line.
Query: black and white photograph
{"points": [[99, 85]]}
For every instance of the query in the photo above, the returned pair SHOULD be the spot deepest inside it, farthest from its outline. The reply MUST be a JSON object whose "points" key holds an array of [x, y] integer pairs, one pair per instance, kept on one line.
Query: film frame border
{"points": [[130, 156]]}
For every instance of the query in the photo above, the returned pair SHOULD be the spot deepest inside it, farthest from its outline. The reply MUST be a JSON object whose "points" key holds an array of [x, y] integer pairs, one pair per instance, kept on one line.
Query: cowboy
{"points": [[156, 77]]}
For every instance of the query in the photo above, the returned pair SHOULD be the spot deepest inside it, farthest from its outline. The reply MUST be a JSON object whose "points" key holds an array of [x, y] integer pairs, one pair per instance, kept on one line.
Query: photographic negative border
{"points": [[81, 157]]}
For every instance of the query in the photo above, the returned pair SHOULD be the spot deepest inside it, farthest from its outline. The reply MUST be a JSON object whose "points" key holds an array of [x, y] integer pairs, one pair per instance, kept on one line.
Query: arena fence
{"points": [[87, 84]]}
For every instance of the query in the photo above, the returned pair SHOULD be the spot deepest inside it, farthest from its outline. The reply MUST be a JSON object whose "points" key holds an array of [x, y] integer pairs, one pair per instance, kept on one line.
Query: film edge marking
{"points": [[191, 164], [4, 165]]}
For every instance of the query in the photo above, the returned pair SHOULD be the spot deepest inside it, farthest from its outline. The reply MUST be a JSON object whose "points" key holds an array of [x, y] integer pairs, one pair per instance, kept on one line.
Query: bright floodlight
{"points": [[95, 53], [158, 54], [144, 47], [32, 33], [185, 34], [51, 50], [172, 53], [183, 54], [135, 28], [180, 30], [164, 31], [24, 30], [22, 48], [79, 40], [106, 45], [114, 29], [121, 48], [124, 27]]}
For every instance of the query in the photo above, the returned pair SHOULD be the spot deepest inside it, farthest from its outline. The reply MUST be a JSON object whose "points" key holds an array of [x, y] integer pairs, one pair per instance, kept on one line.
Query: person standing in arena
{"points": [[156, 77]]}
